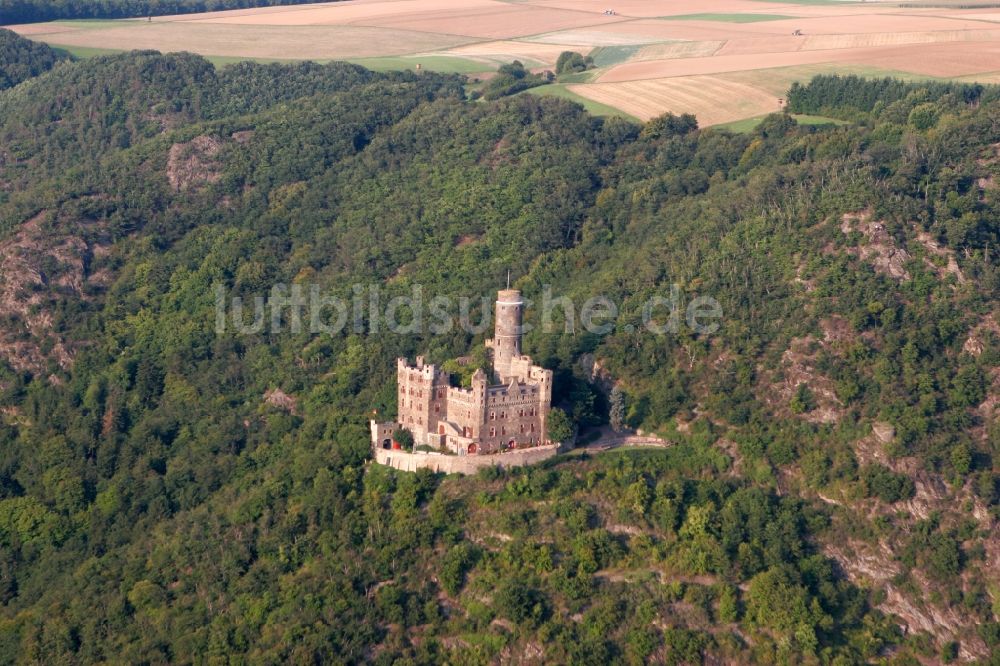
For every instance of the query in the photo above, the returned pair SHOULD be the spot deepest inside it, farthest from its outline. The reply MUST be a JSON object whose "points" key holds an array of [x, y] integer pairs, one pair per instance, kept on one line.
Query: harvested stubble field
{"points": [[724, 60]]}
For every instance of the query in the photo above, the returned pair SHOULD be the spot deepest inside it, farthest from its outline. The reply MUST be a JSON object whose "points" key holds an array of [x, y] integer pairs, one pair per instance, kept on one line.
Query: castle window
{"points": [[493, 416], [493, 432], [520, 412], [532, 427], [503, 415], [503, 430], [437, 408], [522, 427]]}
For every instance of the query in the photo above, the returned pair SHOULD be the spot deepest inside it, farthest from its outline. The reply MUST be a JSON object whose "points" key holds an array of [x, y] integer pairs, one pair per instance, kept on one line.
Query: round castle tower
{"points": [[507, 336]]}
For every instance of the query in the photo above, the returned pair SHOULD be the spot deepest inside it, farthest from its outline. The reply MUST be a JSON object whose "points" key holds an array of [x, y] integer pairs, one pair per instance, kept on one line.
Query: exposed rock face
{"points": [[597, 373], [194, 163], [979, 335], [281, 400], [875, 566], [798, 367], [34, 263], [880, 248], [946, 256]]}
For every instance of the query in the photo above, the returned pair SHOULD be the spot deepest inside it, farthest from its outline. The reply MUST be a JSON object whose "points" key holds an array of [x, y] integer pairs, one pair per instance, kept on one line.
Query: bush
{"points": [[880, 481], [571, 62], [521, 604], [512, 79], [403, 437]]}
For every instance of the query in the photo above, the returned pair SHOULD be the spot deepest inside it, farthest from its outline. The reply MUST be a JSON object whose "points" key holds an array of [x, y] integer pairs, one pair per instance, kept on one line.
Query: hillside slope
{"points": [[22, 59], [832, 491]]}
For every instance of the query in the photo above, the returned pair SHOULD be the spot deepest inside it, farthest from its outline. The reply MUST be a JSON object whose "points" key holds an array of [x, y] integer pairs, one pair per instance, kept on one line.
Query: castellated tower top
{"points": [[507, 337]]}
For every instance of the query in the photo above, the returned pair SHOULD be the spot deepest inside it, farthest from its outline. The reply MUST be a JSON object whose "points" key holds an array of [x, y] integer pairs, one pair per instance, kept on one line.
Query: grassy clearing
{"points": [[749, 124], [728, 18], [444, 64], [983, 77], [580, 77], [92, 24], [84, 52], [592, 107], [606, 56]]}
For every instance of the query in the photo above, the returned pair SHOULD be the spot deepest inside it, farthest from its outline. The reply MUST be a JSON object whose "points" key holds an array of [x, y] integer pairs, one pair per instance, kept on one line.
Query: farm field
{"points": [[724, 60]]}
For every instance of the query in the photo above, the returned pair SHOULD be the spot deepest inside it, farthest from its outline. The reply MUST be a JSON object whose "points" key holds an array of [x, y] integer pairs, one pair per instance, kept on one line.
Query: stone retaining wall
{"points": [[438, 462], [629, 440]]}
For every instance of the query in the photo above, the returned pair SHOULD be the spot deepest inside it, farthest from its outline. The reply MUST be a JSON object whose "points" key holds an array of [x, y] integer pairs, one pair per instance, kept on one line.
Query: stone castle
{"points": [[497, 414]]}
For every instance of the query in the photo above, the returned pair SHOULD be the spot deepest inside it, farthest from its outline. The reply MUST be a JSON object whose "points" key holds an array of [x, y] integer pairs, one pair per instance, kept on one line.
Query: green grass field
{"points": [[92, 24], [85, 52], [579, 77], [595, 108], [728, 18], [605, 56], [444, 64], [749, 124]]}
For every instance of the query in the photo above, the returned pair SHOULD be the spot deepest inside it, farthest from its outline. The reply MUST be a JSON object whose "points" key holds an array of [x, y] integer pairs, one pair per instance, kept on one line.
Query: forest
{"points": [[21, 59], [832, 489], [34, 11]]}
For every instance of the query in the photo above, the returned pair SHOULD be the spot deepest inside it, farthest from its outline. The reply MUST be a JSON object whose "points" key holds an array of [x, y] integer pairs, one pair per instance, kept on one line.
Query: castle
{"points": [[500, 413]]}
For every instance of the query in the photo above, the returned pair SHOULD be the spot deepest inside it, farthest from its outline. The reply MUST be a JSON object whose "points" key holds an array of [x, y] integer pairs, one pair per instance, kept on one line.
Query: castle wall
{"points": [[465, 410], [411, 462], [421, 398], [513, 414]]}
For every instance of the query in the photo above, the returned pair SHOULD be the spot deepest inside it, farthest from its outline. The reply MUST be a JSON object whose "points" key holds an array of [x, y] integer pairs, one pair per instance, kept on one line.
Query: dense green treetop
{"points": [[22, 59]]}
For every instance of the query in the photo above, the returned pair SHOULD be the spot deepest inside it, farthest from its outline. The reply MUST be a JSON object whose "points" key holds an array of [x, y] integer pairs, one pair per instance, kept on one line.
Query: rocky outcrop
{"points": [[36, 263], [194, 163], [879, 248], [281, 400], [798, 367]]}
